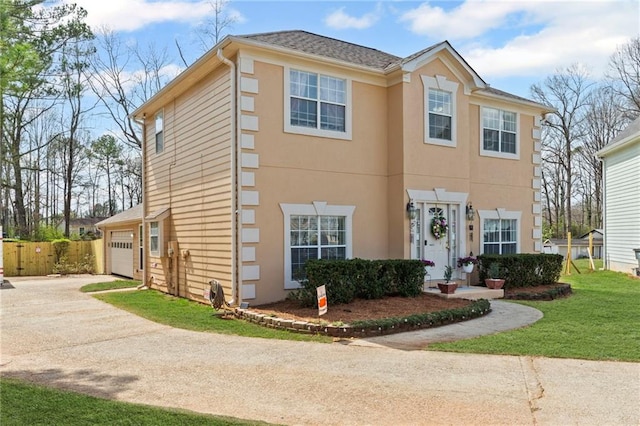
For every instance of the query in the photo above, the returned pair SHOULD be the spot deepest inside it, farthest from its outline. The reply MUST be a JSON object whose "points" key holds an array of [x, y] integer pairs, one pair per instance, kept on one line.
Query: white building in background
{"points": [[621, 171]]}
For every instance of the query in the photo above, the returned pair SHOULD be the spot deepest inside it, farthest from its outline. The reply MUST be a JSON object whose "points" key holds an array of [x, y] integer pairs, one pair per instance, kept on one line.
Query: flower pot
{"points": [[493, 283], [467, 268], [447, 288]]}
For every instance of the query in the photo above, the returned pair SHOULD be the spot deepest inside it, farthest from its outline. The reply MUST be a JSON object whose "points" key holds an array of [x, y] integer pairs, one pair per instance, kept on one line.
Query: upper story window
{"points": [[317, 104], [499, 133], [440, 114], [440, 107], [159, 132]]}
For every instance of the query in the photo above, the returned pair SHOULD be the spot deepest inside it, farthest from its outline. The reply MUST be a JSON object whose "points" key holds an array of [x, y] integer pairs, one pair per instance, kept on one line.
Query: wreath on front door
{"points": [[439, 226]]}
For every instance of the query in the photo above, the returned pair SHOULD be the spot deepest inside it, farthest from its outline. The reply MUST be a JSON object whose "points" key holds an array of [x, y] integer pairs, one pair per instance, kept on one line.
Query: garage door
{"points": [[122, 253]]}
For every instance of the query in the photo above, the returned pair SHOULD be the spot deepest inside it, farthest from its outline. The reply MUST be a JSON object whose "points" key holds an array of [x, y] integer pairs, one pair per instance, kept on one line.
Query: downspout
{"points": [[143, 150], [236, 224]]}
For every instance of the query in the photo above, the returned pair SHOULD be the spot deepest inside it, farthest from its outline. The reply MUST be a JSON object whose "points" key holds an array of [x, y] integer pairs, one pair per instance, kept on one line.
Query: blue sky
{"points": [[511, 44]]}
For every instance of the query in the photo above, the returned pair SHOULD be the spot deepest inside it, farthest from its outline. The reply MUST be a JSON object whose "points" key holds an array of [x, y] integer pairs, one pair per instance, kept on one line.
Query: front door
{"points": [[436, 236]]}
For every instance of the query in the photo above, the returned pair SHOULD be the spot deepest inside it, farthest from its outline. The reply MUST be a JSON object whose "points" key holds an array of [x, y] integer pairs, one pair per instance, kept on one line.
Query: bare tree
{"points": [[211, 30], [624, 76], [568, 92], [124, 77], [605, 117]]}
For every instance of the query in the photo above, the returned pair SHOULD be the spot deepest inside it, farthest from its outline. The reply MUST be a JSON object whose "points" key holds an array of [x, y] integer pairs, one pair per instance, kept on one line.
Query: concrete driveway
{"points": [[53, 334]]}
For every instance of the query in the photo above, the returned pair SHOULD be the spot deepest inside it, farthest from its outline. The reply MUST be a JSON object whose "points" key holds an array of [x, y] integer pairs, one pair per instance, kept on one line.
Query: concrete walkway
{"points": [[503, 316], [51, 333]]}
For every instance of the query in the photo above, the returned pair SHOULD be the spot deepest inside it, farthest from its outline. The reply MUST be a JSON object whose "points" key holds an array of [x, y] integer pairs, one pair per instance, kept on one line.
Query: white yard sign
{"points": [[322, 300]]}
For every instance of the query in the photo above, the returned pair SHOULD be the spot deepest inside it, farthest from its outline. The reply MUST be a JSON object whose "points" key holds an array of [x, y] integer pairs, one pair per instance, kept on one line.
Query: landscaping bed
{"points": [[540, 292], [362, 317]]}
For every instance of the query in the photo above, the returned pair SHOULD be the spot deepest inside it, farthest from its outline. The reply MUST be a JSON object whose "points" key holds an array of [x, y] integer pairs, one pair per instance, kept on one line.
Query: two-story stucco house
{"points": [[280, 147]]}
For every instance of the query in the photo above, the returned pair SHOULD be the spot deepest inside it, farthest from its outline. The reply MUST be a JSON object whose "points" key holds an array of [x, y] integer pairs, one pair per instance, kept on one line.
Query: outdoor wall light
{"points": [[411, 210], [471, 213]]}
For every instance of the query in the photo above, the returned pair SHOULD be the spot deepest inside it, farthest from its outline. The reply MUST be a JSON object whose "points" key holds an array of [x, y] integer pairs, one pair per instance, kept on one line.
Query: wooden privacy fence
{"points": [[37, 259]]}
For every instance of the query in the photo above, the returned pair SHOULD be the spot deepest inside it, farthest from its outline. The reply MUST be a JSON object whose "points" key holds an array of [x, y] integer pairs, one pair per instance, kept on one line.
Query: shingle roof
{"points": [[133, 214], [630, 130], [315, 44]]}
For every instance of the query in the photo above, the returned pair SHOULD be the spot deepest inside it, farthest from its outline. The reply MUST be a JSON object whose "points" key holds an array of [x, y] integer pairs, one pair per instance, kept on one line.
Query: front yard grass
{"points": [[600, 321], [28, 404], [182, 313], [109, 285]]}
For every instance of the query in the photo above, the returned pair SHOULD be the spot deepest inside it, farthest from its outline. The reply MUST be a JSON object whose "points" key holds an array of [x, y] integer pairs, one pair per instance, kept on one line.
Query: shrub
{"points": [[346, 280], [60, 247], [523, 270]]}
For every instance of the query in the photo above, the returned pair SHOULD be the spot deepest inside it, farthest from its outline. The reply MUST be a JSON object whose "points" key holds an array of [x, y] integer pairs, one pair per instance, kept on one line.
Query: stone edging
{"points": [[348, 331]]}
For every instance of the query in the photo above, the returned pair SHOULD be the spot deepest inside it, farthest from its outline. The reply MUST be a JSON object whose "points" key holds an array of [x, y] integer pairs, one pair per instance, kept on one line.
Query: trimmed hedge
{"points": [[523, 270], [346, 280]]}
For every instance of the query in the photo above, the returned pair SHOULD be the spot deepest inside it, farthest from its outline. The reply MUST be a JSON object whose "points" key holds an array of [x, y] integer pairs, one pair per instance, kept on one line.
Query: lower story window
{"points": [[154, 238], [314, 231], [500, 236], [316, 237]]}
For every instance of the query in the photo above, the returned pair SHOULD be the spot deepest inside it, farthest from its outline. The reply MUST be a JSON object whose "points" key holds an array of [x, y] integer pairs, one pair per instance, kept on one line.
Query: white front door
{"points": [[439, 246]]}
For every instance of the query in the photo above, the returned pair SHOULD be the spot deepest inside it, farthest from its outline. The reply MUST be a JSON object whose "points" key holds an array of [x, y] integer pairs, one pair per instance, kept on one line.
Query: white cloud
{"points": [[551, 34], [340, 20], [131, 15], [470, 19]]}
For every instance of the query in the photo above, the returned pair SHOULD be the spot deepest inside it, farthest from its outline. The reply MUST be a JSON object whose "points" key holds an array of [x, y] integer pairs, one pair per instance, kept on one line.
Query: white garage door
{"points": [[122, 253]]}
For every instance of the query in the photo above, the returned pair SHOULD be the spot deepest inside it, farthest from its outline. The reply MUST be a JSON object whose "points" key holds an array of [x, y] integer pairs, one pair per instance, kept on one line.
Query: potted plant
{"points": [[447, 287], [427, 264], [495, 280], [466, 263]]}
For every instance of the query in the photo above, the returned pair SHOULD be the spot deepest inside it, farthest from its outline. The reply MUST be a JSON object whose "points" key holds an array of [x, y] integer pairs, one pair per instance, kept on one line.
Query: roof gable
{"points": [[452, 58]]}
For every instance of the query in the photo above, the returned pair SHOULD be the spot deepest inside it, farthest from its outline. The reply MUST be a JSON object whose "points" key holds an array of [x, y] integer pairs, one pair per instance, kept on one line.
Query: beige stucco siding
{"points": [[192, 176], [301, 169]]}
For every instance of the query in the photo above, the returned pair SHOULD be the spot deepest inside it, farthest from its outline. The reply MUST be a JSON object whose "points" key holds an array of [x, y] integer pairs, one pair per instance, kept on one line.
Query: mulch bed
{"points": [[541, 292], [361, 309]]}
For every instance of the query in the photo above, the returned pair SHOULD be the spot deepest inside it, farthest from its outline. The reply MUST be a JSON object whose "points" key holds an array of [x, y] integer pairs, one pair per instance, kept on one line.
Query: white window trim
{"points": [[496, 154], [160, 251], [155, 131], [440, 82], [317, 208], [288, 128], [500, 213], [140, 247]]}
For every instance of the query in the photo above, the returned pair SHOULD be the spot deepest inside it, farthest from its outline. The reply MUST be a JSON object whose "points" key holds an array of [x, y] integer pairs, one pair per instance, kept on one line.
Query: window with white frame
{"points": [[159, 132], [500, 236], [154, 238], [500, 230], [440, 108], [499, 132], [314, 231], [140, 248], [440, 114], [317, 104]]}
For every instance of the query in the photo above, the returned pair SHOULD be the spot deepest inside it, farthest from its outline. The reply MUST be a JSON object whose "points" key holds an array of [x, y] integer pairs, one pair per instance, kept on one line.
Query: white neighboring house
{"points": [[621, 172]]}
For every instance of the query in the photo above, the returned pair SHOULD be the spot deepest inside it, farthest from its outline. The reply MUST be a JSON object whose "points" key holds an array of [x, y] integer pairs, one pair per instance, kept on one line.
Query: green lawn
{"points": [[109, 285], [600, 321], [190, 315], [26, 404]]}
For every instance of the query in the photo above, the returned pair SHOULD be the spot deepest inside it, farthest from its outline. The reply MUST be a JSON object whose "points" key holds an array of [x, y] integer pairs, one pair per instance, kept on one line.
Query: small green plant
{"points": [[61, 247], [448, 271], [494, 271]]}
